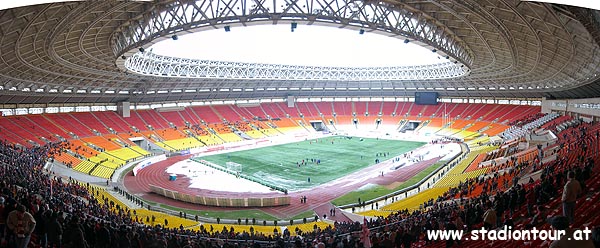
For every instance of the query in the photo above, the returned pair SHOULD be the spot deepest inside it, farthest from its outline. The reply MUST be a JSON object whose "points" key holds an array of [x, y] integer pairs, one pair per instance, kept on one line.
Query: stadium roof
{"points": [[75, 52]]}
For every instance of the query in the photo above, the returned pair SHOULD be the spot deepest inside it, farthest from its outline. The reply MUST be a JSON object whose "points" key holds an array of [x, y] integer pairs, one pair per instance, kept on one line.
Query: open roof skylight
{"points": [[308, 45]]}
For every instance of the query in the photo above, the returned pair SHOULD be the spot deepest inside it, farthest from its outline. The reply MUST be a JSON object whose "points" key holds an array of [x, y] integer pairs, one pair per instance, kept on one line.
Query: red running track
{"points": [[156, 175]]}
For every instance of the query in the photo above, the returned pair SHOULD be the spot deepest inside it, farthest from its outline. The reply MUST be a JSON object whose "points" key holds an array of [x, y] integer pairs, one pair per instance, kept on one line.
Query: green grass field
{"points": [[277, 165]]}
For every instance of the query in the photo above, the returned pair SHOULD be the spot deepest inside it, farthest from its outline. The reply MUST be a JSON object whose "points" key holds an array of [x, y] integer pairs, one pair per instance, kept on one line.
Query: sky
{"points": [[308, 45]]}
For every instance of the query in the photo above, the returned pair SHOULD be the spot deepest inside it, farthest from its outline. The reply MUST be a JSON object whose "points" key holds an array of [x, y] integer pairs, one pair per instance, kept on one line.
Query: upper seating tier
{"points": [[152, 118], [90, 121], [112, 120], [206, 114], [33, 130], [174, 117], [68, 122], [229, 113], [360, 108]]}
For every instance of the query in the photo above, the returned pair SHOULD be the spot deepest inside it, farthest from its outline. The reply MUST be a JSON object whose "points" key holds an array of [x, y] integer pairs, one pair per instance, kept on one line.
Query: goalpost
{"points": [[235, 167]]}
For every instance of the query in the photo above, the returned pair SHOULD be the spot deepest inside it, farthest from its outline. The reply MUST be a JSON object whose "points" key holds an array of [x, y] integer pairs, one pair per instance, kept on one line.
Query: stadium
{"points": [[287, 123]]}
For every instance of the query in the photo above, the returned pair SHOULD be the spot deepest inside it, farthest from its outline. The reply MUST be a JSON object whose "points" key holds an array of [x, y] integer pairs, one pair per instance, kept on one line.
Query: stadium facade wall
{"points": [[579, 108]]}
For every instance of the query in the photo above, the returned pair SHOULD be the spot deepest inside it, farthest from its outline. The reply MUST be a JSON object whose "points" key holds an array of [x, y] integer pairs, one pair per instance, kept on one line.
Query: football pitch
{"points": [[322, 160]]}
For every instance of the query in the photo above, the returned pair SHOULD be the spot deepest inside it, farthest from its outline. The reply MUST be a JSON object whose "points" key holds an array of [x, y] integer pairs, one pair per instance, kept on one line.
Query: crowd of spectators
{"points": [[198, 130], [67, 214], [494, 201]]}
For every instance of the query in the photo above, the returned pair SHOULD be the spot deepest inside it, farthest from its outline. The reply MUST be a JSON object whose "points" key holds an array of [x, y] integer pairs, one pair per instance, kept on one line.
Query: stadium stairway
{"points": [[324, 209], [270, 132], [454, 180], [475, 164], [415, 202], [180, 144]]}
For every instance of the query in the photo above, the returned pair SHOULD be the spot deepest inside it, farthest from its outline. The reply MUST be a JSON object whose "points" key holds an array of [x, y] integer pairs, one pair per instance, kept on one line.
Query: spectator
{"points": [[74, 237], [53, 229], [40, 228], [531, 201], [596, 236], [2, 219], [567, 240], [489, 218], [508, 222], [21, 224], [387, 242], [539, 217], [102, 236], [571, 192], [451, 226]]}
